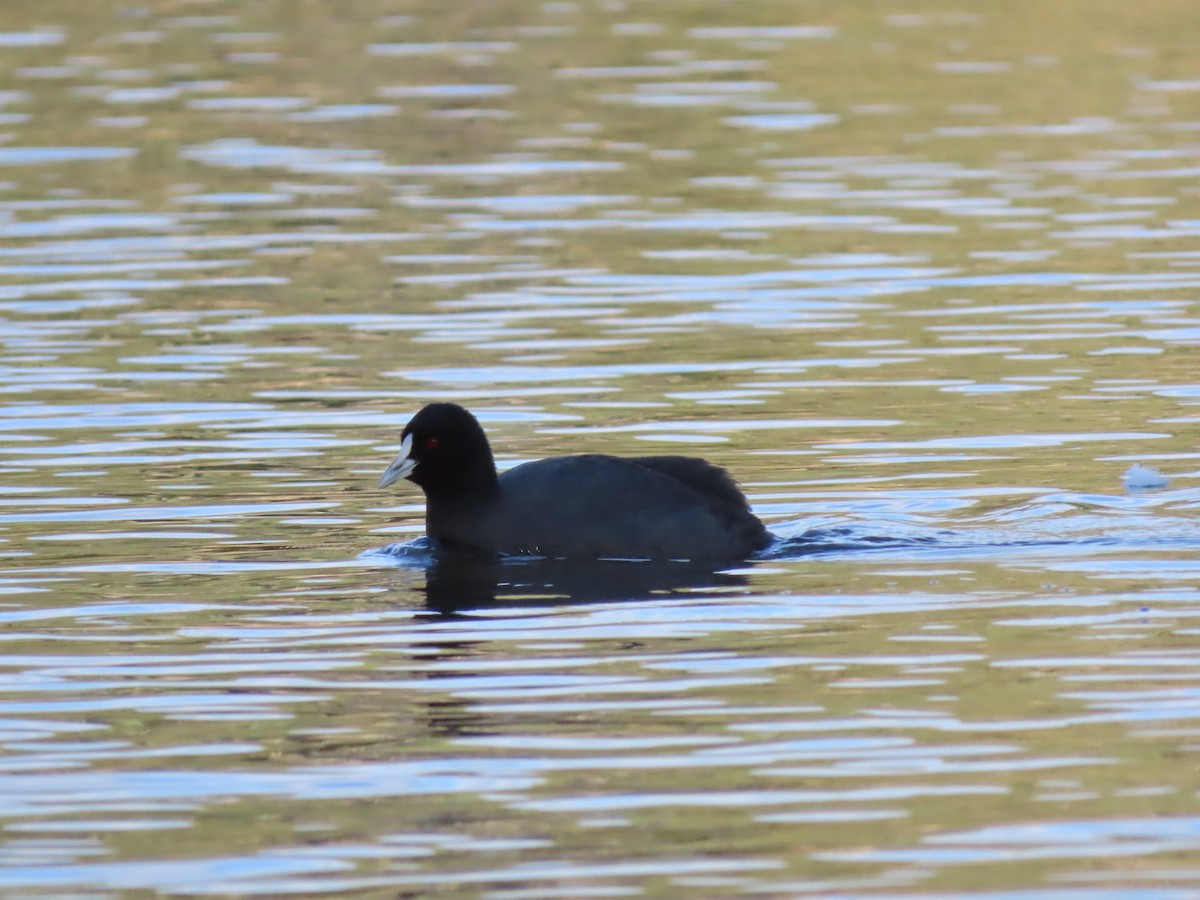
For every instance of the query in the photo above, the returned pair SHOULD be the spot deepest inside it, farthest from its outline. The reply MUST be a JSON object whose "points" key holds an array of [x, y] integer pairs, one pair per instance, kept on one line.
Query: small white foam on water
{"points": [[1143, 478]]}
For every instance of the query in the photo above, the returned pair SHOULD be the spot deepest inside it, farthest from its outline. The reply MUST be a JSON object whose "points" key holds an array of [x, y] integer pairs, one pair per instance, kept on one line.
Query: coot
{"points": [[591, 505]]}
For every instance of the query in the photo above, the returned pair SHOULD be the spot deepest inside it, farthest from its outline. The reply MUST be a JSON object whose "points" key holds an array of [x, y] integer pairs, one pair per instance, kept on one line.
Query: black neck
{"points": [[474, 484]]}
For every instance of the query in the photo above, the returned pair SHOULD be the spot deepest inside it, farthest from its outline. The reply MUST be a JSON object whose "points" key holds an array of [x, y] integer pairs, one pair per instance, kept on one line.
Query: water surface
{"points": [[923, 278]]}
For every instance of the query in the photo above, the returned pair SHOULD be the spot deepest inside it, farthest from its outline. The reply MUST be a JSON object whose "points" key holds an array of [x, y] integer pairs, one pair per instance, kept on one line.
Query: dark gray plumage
{"points": [[589, 506]]}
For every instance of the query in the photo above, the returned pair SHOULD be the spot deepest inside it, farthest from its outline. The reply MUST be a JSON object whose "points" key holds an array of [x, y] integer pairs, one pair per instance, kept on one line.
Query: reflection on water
{"points": [[922, 279], [466, 583]]}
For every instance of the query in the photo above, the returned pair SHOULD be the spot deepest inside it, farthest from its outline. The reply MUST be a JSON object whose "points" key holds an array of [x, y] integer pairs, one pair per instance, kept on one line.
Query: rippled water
{"points": [[924, 278]]}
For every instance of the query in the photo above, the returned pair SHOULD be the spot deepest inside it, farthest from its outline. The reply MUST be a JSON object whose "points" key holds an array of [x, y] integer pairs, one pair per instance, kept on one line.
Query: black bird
{"points": [[587, 506]]}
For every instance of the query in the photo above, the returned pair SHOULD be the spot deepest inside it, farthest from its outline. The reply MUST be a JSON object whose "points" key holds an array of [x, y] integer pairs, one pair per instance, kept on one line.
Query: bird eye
{"points": [[431, 443]]}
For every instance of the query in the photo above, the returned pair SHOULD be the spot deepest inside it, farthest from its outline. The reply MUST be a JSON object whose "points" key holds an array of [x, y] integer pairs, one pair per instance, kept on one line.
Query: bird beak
{"points": [[401, 466]]}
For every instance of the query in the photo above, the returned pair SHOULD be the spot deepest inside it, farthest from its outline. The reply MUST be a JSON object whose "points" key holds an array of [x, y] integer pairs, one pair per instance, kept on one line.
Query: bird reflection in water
{"points": [[456, 582]]}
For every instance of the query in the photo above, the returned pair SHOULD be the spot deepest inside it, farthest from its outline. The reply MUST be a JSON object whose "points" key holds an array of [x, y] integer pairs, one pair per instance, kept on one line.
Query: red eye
{"points": [[431, 443]]}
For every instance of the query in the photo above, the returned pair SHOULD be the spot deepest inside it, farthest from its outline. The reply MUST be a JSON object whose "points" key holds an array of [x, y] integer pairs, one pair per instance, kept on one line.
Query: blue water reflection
{"points": [[937, 327]]}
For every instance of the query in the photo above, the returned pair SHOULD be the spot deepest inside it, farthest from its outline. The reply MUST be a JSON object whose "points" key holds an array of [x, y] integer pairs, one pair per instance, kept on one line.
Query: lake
{"points": [[924, 278]]}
